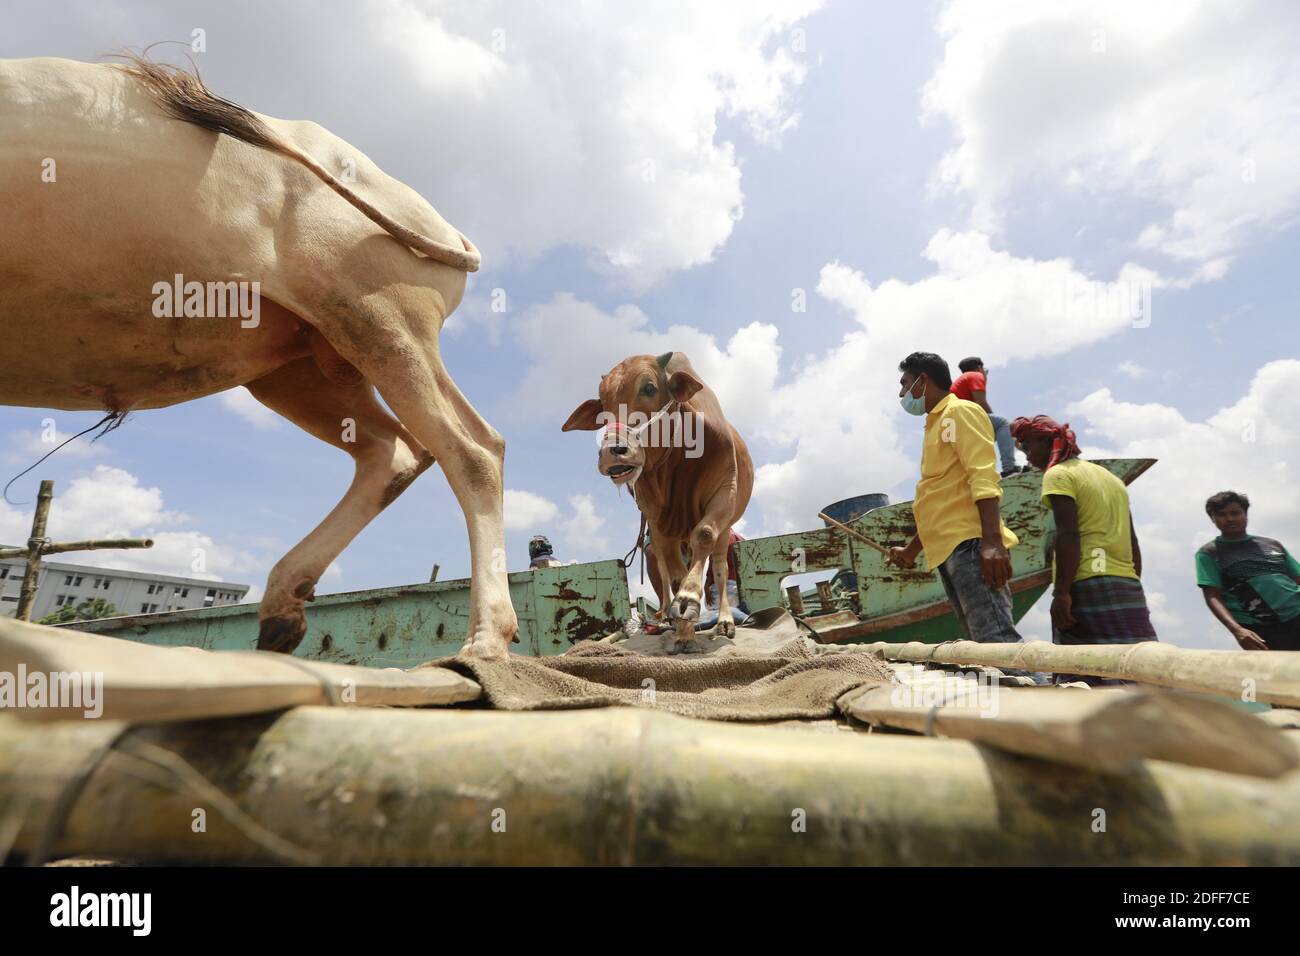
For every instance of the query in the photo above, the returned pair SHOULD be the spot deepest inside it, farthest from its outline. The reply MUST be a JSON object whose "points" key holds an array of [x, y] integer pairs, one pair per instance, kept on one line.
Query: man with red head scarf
{"points": [[1097, 595]]}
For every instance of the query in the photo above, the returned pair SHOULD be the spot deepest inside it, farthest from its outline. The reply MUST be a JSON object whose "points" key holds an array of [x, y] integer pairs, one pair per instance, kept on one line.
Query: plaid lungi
{"points": [[1107, 610]]}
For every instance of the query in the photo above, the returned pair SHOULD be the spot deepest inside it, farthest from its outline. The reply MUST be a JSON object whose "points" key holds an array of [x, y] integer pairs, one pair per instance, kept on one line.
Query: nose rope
{"points": [[632, 436], [618, 428]]}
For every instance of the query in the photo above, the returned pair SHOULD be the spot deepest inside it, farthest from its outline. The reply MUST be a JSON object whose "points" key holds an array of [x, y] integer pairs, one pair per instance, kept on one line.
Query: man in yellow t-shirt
{"points": [[1097, 597], [957, 504]]}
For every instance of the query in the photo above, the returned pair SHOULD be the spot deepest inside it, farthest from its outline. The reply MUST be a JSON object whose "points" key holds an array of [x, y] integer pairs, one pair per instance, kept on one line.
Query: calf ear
{"points": [[683, 385], [585, 417]]}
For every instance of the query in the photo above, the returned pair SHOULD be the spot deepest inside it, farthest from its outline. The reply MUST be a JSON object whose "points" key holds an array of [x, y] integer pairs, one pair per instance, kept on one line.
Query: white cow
{"points": [[116, 179]]}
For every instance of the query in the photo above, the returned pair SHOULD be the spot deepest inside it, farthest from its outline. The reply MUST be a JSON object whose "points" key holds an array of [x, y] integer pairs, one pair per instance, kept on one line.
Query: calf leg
{"points": [[726, 622], [387, 460], [704, 540], [669, 572]]}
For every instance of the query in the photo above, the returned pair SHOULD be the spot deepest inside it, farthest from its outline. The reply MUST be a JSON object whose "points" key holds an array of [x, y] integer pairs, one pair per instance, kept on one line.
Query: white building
{"points": [[131, 592]]}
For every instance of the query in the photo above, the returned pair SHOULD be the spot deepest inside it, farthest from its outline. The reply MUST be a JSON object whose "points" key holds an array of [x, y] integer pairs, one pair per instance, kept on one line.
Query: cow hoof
{"points": [[282, 635], [684, 609], [726, 628], [485, 648]]}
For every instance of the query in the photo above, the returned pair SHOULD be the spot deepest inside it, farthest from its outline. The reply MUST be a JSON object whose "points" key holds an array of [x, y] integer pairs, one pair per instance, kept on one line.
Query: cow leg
{"points": [[412, 380], [704, 540], [726, 622], [387, 460], [666, 578], [382, 315]]}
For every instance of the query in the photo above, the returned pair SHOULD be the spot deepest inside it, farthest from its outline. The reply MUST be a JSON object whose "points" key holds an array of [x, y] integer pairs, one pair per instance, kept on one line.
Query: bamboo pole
{"points": [[854, 533], [96, 544], [89, 545], [31, 577], [38, 545], [1108, 730], [618, 786], [1271, 677]]}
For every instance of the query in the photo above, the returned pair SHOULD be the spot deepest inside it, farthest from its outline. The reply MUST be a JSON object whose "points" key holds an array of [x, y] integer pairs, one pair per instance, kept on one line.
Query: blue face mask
{"points": [[913, 404]]}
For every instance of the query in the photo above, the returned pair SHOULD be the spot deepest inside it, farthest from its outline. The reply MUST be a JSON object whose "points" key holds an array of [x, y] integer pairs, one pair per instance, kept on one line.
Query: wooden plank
{"points": [[131, 681], [1108, 730]]}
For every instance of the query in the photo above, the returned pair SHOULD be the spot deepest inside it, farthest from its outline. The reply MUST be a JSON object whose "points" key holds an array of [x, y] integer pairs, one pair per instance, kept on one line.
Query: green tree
{"points": [[89, 610]]}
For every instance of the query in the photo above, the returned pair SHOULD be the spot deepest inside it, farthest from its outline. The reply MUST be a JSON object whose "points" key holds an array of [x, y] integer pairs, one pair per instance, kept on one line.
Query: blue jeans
{"points": [[1006, 447], [983, 614]]}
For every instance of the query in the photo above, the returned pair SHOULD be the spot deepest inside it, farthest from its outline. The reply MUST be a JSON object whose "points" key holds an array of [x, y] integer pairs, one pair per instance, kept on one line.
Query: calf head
{"points": [[637, 399]]}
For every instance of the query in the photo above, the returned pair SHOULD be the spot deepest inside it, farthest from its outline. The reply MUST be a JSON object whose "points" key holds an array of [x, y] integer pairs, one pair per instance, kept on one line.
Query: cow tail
{"points": [[183, 96]]}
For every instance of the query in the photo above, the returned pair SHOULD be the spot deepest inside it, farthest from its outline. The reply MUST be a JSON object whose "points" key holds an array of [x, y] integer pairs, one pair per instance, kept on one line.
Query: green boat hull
{"points": [[407, 625]]}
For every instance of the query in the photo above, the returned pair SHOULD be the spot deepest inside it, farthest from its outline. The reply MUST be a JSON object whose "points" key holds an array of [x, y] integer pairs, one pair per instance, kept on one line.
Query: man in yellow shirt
{"points": [[958, 521], [1097, 597]]}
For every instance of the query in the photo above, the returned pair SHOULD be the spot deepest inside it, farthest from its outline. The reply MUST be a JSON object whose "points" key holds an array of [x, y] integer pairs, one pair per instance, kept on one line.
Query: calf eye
{"points": [[648, 389]]}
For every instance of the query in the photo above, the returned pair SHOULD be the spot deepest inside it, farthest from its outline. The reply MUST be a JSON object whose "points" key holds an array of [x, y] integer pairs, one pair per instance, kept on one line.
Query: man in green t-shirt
{"points": [[1097, 597], [1250, 584]]}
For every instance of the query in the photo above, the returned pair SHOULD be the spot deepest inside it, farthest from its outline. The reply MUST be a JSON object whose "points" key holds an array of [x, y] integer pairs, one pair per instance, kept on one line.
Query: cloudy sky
{"points": [[1097, 197]]}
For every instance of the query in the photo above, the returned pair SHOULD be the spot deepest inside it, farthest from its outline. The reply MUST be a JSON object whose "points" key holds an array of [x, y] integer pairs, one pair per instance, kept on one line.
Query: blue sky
{"points": [[794, 146]]}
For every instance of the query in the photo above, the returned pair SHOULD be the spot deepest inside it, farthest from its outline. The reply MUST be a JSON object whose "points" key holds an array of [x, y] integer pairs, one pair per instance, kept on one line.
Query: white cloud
{"points": [[1252, 446], [242, 403], [572, 343], [525, 510], [582, 530], [1193, 106], [111, 503], [597, 128]]}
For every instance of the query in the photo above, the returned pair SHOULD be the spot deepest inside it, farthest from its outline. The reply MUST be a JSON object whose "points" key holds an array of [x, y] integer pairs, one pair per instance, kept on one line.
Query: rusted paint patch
{"points": [[566, 593], [578, 625]]}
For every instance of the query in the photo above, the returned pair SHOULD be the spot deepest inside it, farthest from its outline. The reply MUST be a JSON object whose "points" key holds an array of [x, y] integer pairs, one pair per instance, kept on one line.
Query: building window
{"points": [[61, 599], [107, 582], [68, 579], [185, 592], [4, 573]]}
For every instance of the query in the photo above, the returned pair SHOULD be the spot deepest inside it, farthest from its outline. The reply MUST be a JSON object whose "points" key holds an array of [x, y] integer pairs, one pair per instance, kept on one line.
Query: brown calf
{"points": [[688, 469]]}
